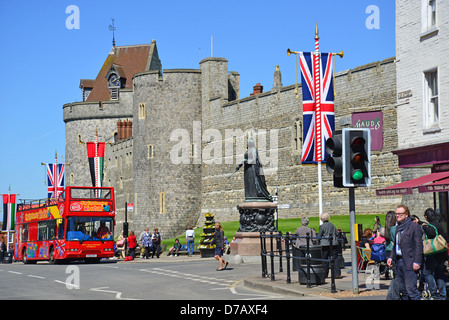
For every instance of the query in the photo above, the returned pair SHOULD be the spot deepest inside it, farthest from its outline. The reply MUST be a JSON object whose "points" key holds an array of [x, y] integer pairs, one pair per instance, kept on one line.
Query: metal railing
{"points": [[275, 250]]}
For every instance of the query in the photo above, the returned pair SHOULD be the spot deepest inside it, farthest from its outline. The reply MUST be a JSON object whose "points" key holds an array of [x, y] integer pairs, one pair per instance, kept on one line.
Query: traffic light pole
{"points": [[355, 280]]}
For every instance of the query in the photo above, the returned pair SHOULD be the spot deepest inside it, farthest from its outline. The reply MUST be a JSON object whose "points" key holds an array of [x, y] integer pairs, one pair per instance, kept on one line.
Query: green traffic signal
{"points": [[357, 175]]}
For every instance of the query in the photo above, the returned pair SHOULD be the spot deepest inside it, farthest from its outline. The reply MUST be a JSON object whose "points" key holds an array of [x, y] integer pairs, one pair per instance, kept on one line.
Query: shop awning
{"points": [[439, 186], [406, 187]]}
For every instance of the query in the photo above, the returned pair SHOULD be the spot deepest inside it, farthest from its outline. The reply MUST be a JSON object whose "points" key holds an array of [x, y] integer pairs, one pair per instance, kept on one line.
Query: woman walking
{"points": [[219, 245]]}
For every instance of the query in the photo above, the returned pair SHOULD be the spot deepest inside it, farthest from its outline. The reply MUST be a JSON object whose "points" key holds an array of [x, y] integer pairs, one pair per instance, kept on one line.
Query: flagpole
{"points": [[317, 77]]}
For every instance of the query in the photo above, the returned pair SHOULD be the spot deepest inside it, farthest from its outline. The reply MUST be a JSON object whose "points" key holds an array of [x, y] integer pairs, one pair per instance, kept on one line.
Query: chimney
{"points": [[257, 89]]}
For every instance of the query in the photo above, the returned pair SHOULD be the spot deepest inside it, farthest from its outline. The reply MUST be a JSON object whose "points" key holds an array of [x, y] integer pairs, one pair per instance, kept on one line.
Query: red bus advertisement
{"points": [[79, 225]]}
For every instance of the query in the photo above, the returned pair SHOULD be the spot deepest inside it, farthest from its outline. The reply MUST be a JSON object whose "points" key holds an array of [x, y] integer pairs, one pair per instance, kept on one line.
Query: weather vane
{"points": [[112, 28]]}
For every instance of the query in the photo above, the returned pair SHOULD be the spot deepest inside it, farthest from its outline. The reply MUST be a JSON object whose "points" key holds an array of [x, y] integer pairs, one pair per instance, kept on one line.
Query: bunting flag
{"points": [[95, 153], [55, 180], [9, 212], [318, 105]]}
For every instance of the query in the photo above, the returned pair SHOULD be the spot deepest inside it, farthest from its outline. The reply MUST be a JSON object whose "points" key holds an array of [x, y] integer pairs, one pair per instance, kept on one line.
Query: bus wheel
{"points": [[52, 259], [25, 257]]}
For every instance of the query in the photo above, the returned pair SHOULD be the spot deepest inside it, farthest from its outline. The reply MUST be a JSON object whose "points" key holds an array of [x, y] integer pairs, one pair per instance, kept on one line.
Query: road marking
{"points": [[33, 276], [15, 272], [117, 296], [68, 285]]}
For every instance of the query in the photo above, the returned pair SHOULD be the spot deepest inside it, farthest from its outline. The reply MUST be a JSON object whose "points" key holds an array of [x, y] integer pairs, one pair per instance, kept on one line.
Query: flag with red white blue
{"points": [[55, 180], [316, 123]]}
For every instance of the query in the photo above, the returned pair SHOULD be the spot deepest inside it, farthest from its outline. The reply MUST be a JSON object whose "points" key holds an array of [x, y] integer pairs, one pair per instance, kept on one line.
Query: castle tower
{"points": [[167, 160]]}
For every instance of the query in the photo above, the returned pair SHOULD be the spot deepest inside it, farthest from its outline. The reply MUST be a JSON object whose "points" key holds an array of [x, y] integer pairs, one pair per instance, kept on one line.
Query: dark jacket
{"points": [[410, 243], [326, 230], [218, 238]]}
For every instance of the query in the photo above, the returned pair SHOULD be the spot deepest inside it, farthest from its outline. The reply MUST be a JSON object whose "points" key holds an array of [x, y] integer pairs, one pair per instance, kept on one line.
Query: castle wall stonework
{"points": [[189, 133]]}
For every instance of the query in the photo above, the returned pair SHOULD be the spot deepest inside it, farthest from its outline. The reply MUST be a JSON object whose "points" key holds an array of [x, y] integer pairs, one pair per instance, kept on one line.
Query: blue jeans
{"points": [[190, 247], [408, 282]]}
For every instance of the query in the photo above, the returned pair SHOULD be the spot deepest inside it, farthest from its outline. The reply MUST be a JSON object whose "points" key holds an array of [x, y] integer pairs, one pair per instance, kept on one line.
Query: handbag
{"points": [[121, 242], [435, 245]]}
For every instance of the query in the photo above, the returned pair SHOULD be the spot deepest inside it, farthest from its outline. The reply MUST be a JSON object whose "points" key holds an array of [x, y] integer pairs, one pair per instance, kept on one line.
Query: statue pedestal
{"points": [[255, 217]]}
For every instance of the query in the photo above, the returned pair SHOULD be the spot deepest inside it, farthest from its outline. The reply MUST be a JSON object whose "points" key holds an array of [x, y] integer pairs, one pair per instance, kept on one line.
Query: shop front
{"points": [[435, 158]]}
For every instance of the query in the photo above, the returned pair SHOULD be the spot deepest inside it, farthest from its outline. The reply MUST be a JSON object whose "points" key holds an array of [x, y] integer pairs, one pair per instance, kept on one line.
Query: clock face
{"points": [[114, 81]]}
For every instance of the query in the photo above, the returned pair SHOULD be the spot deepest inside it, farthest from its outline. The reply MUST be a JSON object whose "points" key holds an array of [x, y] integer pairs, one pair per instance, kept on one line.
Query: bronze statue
{"points": [[255, 185]]}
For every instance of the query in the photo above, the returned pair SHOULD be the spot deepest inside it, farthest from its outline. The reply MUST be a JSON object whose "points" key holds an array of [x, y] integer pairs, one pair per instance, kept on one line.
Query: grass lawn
{"points": [[289, 225]]}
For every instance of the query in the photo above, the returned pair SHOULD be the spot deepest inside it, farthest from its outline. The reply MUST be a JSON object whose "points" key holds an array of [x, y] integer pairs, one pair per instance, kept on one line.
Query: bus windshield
{"points": [[89, 229]]}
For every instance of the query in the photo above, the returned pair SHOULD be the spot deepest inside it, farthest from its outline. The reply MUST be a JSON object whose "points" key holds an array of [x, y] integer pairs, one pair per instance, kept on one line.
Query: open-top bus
{"points": [[76, 226]]}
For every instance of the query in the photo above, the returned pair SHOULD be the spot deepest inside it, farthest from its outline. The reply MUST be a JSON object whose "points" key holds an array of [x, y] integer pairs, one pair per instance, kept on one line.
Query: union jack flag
{"points": [[51, 180], [324, 123]]}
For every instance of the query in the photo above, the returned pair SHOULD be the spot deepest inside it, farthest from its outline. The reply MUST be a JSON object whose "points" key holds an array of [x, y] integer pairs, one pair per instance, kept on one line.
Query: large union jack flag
{"points": [[53, 180], [316, 123]]}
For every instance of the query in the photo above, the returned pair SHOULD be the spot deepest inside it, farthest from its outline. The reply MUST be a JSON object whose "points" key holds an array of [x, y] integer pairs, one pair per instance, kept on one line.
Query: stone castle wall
{"points": [[189, 134]]}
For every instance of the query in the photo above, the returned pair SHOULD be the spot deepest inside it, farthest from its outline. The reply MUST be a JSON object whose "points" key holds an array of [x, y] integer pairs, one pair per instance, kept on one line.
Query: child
{"points": [[175, 248]]}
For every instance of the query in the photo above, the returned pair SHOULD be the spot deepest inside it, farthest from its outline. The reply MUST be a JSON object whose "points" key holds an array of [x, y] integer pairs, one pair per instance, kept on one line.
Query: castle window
{"points": [[162, 203], [193, 152], [150, 151], [297, 136], [72, 178], [142, 111]]}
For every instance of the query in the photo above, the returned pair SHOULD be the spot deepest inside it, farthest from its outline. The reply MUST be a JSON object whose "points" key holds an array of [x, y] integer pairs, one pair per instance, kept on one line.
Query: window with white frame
{"points": [[428, 14], [431, 108]]}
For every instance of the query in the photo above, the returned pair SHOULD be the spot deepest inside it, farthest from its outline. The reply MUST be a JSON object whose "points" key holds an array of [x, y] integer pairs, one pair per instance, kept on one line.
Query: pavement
{"points": [[368, 288]]}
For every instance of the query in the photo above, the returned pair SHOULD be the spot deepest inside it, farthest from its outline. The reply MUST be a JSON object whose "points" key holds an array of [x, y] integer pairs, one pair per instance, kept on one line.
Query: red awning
{"points": [[439, 186], [406, 187]]}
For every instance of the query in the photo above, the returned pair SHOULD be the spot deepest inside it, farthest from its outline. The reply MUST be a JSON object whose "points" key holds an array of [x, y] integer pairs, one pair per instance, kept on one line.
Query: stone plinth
{"points": [[256, 216]]}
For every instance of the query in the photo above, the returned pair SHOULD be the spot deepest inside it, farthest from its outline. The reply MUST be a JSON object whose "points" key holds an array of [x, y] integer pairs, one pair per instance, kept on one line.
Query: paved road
{"points": [[196, 280]]}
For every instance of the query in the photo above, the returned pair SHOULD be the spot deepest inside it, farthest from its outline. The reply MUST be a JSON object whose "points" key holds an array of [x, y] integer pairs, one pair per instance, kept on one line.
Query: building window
{"points": [[72, 178], [431, 108], [297, 136], [114, 93], [162, 203], [142, 111], [150, 151], [193, 152], [429, 14]]}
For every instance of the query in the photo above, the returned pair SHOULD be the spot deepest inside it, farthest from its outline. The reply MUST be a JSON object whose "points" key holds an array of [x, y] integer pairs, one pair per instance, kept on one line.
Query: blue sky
{"points": [[43, 61]]}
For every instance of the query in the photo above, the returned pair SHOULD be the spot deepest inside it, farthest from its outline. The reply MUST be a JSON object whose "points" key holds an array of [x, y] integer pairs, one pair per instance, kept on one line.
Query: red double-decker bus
{"points": [[76, 226]]}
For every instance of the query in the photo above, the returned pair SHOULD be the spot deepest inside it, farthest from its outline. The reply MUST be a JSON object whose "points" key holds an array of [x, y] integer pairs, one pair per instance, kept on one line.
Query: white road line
{"points": [[33, 276], [117, 296], [15, 272]]}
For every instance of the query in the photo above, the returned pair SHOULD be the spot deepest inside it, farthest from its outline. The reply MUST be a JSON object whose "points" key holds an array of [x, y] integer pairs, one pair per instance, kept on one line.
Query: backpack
{"points": [[378, 252]]}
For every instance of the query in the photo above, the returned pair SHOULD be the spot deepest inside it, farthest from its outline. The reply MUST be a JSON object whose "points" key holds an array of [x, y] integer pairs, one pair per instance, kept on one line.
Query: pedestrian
{"points": [[377, 224], [328, 233], [132, 244], [156, 239], [218, 240], [390, 272], [190, 239], [175, 249], [2, 250], [146, 243], [407, 254], [302, 233], [434, 267]]}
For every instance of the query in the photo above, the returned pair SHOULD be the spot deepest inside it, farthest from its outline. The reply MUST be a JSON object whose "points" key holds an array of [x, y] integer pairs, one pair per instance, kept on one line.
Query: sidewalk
{"points": [[368, 289]]}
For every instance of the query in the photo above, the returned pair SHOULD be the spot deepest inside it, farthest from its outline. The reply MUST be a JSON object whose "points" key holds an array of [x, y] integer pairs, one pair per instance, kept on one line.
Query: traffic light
{"points": [[334, 163], [356, 157]]}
